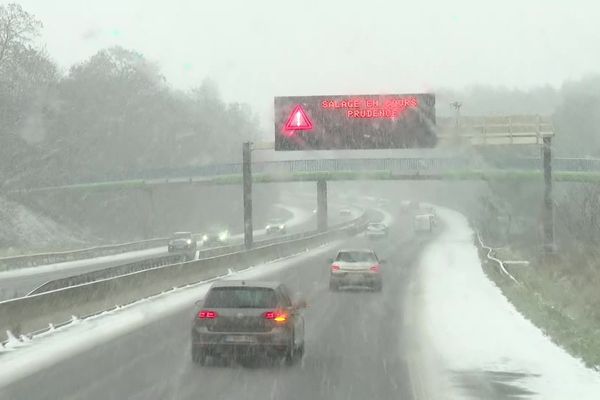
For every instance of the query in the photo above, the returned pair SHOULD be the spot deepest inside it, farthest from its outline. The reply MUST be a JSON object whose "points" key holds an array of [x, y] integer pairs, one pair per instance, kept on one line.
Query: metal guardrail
{"points": [[34, 313], [141, 265], [395, 165], [405, 164], [32, 260], [496, 130], [490, 257], [410, 164]]}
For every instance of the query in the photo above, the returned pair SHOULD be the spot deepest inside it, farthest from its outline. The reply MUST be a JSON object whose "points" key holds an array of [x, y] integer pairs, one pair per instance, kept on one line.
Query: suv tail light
{"points": [[375, 268], [278, 316], [335, 267], [207, 314]]}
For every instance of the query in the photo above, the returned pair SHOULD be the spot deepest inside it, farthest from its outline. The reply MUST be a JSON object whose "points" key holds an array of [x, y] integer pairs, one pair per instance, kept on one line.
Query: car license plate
{"points": [[239, 339]]}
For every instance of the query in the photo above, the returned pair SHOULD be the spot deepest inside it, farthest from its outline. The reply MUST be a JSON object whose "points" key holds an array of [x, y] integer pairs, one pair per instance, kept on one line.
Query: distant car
{"points": [[276, 226], [183, 243], [345, 212], [376, 230], [248, 318], [215, 238], [356, 267]]}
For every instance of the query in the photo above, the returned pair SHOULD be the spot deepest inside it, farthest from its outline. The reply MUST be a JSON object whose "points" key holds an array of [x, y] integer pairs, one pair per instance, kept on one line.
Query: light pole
{"points": [[247, 193], [322, 205], [549, 245], [457, 105]]}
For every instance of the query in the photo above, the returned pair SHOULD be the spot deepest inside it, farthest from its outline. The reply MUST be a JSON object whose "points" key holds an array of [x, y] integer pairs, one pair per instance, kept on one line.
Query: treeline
{"points": [[109, 117], [114, 114], [575, 108]]}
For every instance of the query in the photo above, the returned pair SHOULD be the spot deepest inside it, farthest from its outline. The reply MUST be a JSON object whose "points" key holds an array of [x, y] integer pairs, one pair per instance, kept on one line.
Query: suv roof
{"points": [[244, 283]]}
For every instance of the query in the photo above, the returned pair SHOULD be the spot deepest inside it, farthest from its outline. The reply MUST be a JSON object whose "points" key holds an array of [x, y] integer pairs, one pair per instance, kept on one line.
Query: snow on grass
{"points": [[24, 227], [473, 327]]}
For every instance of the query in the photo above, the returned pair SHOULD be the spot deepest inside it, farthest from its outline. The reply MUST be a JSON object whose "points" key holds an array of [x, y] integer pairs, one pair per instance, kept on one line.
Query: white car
{"points": [[376, 230], [345, 212], [356, 267]]}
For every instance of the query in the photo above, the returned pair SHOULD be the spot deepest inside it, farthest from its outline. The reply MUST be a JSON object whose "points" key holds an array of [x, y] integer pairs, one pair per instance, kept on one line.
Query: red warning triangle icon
{"points": [[298, 120]]}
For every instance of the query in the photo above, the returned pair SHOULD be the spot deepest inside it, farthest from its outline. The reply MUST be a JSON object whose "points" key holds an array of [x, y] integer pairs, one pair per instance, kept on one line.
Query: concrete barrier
{"points": [[34, 313], [141, 265], [107, 273]]}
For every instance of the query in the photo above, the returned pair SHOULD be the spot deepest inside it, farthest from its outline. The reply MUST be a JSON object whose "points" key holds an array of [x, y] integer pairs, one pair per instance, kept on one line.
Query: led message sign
{"points": [[355, 122]]}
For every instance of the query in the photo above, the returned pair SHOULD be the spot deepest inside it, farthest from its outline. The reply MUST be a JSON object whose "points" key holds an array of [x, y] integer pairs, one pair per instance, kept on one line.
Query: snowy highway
{"points": [[19, 282], [158, 353], [408, 342], [187, 192]]}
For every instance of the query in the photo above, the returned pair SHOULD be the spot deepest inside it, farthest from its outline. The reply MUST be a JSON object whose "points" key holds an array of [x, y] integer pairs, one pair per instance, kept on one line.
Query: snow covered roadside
{"points": [[22, 226], [299, 216], [476, 332]]}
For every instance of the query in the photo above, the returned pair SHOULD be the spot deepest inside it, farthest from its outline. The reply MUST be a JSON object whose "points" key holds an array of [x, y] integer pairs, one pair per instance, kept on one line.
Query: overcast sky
{"points": [[258, 49]]}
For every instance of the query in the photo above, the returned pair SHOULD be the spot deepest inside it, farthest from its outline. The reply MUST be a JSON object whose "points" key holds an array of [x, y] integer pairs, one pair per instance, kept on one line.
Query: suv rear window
{"points": [[241, 297], [356, 256]]}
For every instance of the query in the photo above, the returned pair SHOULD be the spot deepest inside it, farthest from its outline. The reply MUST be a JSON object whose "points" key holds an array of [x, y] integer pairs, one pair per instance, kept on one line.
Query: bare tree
{"points": [[18, 29]]}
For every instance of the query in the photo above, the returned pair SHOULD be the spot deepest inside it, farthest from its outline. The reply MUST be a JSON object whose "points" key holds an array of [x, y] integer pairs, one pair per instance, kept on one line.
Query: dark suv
{"points": [[183, 243], [241, 318]]}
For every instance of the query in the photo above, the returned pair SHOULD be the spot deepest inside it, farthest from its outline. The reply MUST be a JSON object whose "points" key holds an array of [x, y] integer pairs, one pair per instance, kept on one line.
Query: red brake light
{"points": [[375, 268], [277, 316], [269, 315], [335, 267], [207, 314]]}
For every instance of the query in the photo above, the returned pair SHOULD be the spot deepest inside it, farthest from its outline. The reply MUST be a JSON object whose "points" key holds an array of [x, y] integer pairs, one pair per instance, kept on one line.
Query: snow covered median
{"points": [[486, 347]]}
